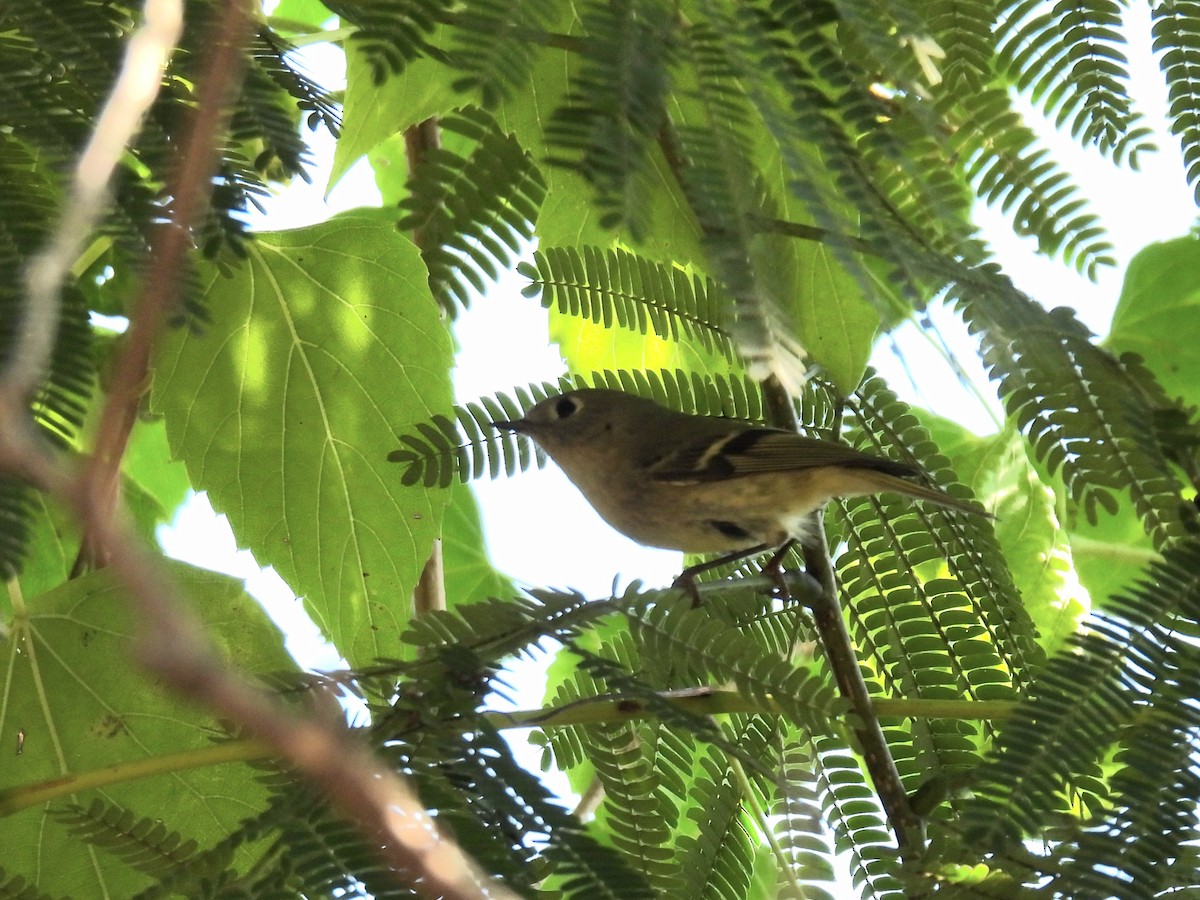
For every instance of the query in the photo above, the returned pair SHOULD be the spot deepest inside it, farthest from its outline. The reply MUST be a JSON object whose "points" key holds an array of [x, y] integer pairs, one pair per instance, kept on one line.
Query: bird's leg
{"points": [[774, 567], [687, 578]]}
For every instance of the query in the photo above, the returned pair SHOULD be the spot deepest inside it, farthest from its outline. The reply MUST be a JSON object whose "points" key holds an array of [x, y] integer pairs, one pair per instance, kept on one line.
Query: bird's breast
{"points": [[702, 517]]}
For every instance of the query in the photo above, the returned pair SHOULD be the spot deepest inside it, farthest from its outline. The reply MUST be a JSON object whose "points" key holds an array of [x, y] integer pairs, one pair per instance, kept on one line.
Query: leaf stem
{"points": [[760, 816], [1086, 546], [712, 702], [600, 710], [22, 797]]}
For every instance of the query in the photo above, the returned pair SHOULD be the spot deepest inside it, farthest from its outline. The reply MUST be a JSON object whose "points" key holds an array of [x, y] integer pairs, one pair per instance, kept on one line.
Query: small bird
{"points": [[704, 484]]}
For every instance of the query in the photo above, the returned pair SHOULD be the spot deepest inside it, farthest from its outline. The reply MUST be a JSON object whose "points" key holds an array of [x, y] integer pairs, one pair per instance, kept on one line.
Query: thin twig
{"points": [[26, 796], [430, 592], [602, 710], [137, 85]]}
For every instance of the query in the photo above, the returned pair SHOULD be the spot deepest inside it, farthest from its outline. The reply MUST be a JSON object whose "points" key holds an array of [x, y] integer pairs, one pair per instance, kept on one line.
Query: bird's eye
{"points": [[566, 407]]}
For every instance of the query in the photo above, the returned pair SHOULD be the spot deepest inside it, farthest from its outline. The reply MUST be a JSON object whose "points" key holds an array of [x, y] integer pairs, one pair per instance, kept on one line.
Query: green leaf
{"points": [[569, 216], [1112, 554], [73, 686], [469, 574], [53, 545], [1107, 556], [147, 464], [835, 323], [389, 162], [323, 346], [1158, 315], [1027, 526], [152, 485], [374, 112], [589, 347], [302, 12]]}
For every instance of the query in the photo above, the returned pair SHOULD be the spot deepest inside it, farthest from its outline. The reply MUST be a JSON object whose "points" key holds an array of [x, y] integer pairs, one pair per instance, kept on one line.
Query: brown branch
{"points": [[146, 55], [189, 190], [171, 642], [827, 611], [843, 662], [430, 592]]}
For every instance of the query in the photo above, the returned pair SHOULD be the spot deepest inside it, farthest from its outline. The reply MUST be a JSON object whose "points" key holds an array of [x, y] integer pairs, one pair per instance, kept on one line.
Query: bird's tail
{"points": [[881, 481]]}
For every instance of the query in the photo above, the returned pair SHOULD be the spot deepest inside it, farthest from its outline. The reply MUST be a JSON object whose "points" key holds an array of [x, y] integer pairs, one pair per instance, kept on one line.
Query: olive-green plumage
{"points": [[703, 484]]}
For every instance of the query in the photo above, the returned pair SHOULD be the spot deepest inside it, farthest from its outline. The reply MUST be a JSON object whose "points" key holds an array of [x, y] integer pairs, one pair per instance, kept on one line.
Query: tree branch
{"points": [[843, 662], [137, 85], [430, 592], [189, 191], [171, 642]]}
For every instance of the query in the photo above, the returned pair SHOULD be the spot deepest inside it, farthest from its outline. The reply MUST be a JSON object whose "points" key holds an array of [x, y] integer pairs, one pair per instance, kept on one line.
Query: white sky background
{"points": [[539, 529]]}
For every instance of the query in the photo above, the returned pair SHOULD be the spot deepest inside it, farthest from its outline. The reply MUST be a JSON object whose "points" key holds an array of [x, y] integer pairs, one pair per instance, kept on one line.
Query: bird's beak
{"points": [[520, 426]]}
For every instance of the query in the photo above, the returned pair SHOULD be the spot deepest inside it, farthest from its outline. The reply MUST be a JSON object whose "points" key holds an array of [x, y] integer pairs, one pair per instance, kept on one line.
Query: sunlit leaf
{"points": [[76, 700], [323, 346]]}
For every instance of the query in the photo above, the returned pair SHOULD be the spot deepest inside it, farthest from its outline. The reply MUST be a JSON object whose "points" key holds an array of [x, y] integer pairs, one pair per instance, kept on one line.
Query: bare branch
{"points": [[430, 592], [172, 644], [171, 641], [189, 190], [137, 85]]}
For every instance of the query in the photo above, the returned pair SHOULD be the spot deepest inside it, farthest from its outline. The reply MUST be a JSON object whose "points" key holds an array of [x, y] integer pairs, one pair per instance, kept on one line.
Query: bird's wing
{"points": [[756, 450]]}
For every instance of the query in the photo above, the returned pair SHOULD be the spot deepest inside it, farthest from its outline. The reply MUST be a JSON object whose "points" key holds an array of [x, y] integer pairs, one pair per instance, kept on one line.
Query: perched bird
{"points": [[704, 484]]}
